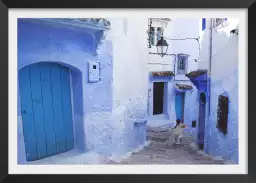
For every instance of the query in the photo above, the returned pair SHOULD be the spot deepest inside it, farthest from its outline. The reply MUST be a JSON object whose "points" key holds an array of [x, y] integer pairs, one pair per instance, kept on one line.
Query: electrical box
{"points": [[94, 72]]}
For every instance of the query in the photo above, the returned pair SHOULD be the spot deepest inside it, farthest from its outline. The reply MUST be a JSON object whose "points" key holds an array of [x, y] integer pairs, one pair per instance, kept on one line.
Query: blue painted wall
{"points": [[179, 105], [97, 126], [71, 48], [190, 106], [169, 100], [215, 142], [192, 98], [219, 144], [224, 81]]}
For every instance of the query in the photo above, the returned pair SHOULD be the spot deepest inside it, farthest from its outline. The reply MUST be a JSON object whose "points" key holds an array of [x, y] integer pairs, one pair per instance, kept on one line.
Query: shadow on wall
{"points": [[78, 111]]}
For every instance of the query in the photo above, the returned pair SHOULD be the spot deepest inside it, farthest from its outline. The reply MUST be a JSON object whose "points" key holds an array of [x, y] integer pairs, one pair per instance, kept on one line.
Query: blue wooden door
{"points": [[45, 98], [179, 105]]}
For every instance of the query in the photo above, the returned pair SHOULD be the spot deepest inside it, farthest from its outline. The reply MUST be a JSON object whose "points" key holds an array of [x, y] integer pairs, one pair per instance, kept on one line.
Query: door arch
{"points": [[46, 110], [201, 129]]}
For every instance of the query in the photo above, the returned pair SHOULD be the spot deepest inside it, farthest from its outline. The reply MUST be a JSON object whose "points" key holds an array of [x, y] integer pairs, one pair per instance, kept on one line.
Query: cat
{"points": [[178, 130]]}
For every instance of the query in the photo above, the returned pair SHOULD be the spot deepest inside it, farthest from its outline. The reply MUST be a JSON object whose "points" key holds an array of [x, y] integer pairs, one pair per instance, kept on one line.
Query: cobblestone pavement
{"points": [[162, 150]]}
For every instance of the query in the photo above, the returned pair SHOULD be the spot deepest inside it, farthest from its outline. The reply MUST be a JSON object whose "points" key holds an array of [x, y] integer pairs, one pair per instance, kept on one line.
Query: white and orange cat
{"points": [[178, 131]]}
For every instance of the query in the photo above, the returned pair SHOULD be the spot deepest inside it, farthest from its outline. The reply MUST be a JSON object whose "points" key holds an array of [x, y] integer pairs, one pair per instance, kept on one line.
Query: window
{"points": [[159, 33], [182, 63], [155, 35], [222, 114], [219, 22], [151, 36]]}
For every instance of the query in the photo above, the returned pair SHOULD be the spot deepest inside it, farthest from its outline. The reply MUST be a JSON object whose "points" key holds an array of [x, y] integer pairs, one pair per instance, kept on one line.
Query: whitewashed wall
{"points": [[130, 83], [156, 62], [186, 28], [115, 133], [177, 29], [224, 81], [129, 39], [219, 37]]}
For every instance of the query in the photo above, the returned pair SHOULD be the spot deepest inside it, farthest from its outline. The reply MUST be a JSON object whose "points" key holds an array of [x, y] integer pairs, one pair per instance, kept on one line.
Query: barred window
{"points": [[182, 64], [222, 114]]}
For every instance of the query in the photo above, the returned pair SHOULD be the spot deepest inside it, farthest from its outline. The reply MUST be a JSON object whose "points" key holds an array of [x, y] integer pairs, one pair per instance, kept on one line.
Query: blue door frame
{"points": [[45, 98]]}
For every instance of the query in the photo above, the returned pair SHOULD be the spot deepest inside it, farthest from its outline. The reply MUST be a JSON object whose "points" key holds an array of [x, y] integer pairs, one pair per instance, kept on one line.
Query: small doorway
{"points": [[158, 97], [201, 129], [179, 105]]}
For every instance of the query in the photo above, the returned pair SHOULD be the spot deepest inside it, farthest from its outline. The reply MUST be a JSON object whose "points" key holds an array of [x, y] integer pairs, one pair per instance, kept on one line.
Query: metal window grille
{"points": [[182, 64], [222, 114]]}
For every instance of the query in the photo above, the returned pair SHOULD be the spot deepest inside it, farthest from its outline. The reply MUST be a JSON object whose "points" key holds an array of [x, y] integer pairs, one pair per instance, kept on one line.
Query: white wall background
{"points": [[178, 28], [186, 28], [130, 54], [219, 40]]}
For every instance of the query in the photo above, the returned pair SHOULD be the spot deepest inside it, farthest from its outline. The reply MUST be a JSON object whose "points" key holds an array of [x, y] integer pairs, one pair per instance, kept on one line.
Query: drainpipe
{"points": [[210, 69], [174, 70], [209, 82]]}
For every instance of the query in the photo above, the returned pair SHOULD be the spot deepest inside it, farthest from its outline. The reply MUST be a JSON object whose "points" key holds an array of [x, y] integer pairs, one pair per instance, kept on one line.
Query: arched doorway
{"points": [[46, 109], [201, 130]]}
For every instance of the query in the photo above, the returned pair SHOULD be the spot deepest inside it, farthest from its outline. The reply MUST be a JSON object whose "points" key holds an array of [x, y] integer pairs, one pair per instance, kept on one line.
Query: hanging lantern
{"points": [[162, 47]]}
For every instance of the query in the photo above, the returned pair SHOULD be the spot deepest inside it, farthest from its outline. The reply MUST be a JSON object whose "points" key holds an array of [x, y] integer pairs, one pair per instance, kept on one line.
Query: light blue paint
{"points": [[97, 127], [215, 143], [49, 120], [67, 109], [48, 110], [179, 106], [28, 129], [38, 43], [169, 97], [201, 111], [165, 102], [139, 133], [190, 109], [218, 143]]}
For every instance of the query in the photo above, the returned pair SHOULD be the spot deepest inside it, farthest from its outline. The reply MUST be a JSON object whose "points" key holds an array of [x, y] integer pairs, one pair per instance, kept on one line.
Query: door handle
{"points": [[23, 111]]}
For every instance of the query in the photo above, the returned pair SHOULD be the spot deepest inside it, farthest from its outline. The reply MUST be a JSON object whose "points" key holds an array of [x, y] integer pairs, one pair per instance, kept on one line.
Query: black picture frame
{"points": [[5, 4]]}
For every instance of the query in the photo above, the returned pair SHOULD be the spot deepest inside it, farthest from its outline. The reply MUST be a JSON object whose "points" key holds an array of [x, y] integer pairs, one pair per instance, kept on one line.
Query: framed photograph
{"points": [[138, 88]]}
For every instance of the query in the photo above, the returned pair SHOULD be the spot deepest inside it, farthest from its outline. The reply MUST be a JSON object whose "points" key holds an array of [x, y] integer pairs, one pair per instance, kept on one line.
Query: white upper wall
{"points": [[178, 29], [220, 41], [156, 62], [130, 57]]}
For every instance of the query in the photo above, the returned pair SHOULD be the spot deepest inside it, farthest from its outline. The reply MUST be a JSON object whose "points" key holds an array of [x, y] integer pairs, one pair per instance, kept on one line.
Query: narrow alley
{"points": [[160, 149], [95, 100]]}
